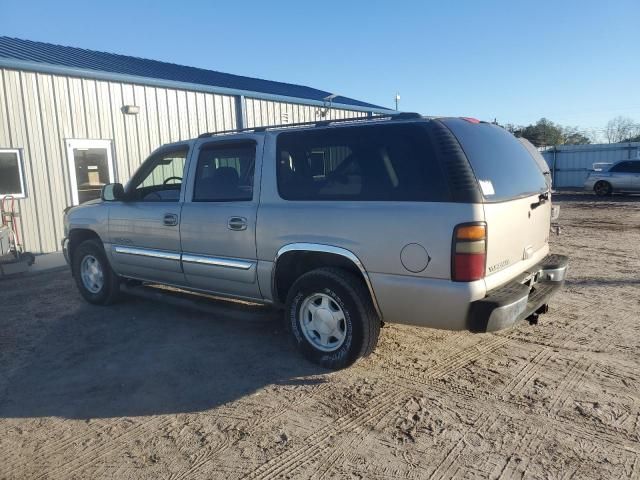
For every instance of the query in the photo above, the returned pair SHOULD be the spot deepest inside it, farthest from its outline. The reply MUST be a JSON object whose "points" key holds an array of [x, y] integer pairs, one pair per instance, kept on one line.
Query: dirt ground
{"points": [[147, 390]]}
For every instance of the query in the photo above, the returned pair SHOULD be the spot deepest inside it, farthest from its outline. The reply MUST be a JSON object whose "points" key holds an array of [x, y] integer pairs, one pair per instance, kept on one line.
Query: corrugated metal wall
{"points": [[571, 164], [266, 112], [38, 112]]}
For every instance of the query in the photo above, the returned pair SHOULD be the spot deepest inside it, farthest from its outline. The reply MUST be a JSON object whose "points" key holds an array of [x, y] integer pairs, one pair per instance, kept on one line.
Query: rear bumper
{"points": [[517, 300]]}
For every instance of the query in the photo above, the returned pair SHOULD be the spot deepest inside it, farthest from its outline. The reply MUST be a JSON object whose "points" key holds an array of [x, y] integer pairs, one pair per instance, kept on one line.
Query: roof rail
{"points": [[317, 123]]}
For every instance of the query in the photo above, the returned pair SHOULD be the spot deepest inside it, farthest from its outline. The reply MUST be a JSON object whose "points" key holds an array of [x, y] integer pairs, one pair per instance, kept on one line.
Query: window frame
{"points": [[417, 128], [144, 171], [221, 145], [23, 187]]}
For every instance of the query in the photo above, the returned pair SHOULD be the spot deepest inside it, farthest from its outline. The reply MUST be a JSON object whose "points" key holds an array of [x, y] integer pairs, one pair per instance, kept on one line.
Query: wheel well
{"points": [[79, 235], [292, 265]]}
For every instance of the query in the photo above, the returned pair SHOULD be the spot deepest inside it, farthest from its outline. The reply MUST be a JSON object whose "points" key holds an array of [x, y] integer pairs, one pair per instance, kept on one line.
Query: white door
{"points": [[90, 168]]}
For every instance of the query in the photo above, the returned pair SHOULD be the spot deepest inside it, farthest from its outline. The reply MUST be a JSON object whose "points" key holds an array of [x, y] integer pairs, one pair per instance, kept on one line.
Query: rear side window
{"points": [[626, 167], [372, 163], [503, 166], [225, 173]]}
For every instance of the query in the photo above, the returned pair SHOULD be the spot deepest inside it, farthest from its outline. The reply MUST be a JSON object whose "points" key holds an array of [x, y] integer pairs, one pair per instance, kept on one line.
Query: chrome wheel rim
{"points": [[91, 274], [323, 322]]}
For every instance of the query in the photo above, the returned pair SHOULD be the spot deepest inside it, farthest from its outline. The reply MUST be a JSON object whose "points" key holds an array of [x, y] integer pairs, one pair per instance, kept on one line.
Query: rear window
{"points": [[626, 167], [503, 166], [364, 163]]}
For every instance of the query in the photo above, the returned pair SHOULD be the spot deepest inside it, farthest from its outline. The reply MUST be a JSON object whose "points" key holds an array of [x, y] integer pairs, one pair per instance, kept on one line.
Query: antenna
{"points": [[397, 99]]}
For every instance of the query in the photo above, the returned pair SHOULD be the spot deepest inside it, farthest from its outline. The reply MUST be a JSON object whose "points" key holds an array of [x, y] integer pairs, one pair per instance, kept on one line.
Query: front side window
{"points": [[11, 179], [225, 173], [371, 163], [161, 178]]}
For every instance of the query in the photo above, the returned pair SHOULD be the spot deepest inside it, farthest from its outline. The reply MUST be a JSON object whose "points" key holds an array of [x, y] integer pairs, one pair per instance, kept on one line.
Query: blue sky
{"points": [[575, 62]]}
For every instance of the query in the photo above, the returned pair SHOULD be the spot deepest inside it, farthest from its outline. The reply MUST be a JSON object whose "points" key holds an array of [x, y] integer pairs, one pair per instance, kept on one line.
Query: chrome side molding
{"points": [[217, 261], [185, 257], [147, 252]]}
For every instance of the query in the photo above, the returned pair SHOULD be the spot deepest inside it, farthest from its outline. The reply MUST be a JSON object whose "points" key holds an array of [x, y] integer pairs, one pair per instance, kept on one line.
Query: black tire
{"points": [[361, 322], [110, 289], [602, 188]]}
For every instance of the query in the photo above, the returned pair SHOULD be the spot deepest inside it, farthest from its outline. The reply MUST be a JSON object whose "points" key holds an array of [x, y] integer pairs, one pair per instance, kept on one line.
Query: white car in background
{"points": [[623, 176]]}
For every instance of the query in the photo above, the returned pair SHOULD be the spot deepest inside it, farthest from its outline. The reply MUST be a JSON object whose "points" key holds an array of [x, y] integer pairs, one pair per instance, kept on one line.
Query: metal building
{"points": [[73, 119], [570, 164]]}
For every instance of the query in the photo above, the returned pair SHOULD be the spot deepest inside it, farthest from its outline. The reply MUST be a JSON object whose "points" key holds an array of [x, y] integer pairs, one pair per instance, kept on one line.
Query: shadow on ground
{"points": [[66, 358]]}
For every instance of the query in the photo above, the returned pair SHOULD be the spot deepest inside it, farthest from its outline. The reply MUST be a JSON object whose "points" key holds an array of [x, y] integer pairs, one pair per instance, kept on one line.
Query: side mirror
{"points": [[112, 192]]}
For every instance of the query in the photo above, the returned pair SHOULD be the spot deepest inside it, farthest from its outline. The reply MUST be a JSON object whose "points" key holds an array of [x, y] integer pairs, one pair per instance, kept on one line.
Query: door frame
{"points": [[72, 143]]}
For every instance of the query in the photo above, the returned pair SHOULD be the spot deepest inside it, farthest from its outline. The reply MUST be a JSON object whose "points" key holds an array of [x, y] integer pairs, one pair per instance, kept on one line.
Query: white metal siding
{"points": [[571, 164], [266, 112], [39, 111]]}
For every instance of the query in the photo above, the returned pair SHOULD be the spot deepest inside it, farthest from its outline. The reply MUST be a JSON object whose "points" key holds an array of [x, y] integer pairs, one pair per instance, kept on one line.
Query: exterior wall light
{"points": [[130, 109]]}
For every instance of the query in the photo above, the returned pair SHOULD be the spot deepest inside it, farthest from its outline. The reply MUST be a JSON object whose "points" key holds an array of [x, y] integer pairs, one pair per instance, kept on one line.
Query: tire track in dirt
{"points": [[209, 457], [592, 433], [525, 375], [527, 453], [343, 449], [295, 459], [69, 467], [573, 377], [444, 466]]}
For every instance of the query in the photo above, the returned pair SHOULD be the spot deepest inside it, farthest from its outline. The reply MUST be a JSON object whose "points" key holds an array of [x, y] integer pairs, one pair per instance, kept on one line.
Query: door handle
{"points": [[237, 223], [170, 219]]}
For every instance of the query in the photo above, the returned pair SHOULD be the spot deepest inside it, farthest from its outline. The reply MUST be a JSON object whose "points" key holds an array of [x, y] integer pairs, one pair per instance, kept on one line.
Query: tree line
{"points": [[545, 132]]}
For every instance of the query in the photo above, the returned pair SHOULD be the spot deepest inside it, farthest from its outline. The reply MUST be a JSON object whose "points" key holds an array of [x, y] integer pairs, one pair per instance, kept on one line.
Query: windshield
{"points": [[503, 166]]}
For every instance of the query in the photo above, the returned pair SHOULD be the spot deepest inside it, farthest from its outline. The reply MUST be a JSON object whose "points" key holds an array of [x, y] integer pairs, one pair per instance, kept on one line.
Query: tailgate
{"points": [[517, 237], [512, 182]]}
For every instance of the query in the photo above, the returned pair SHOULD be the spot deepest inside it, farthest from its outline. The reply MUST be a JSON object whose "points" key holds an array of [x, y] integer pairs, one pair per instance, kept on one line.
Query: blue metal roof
{"points": [[83, 62]]}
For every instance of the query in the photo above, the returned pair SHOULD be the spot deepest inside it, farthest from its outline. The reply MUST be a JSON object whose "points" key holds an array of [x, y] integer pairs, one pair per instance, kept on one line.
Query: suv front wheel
{"points": [[331, 316], [94, 277]]}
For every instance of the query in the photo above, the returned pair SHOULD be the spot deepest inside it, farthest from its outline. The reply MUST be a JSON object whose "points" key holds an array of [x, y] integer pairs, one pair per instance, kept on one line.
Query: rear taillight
{"points": [[469, 252]]}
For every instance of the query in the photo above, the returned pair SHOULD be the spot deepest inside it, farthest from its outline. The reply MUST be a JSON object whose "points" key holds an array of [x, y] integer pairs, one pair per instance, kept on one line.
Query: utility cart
{"points": [[13, 258]]}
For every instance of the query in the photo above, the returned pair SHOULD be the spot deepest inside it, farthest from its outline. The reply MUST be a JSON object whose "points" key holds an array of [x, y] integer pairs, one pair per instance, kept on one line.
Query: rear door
{"points": [[622, 175], [516, 203], [218, 221]]}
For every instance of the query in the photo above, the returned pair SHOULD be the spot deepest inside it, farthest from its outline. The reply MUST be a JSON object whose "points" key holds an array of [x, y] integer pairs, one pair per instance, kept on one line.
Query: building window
{"points": [[11, 177]]}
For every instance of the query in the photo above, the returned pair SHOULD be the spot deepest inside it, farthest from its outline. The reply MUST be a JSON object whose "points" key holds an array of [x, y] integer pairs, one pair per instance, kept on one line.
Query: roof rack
{"points": [[317, 123]]}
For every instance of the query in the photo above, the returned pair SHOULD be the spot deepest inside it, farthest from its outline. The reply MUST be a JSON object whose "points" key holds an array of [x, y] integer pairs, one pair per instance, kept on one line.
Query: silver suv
{"points": [[623, 176], [436, 222]]}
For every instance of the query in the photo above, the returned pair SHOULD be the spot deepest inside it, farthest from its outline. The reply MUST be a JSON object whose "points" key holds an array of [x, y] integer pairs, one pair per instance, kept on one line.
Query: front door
{"points": [[90, 168], [218, 218], [144, 230]]}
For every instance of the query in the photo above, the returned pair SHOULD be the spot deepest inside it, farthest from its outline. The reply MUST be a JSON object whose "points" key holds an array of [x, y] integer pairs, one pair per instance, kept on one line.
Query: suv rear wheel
{"points": [[94, 277], [602, 188], [331, 316]]}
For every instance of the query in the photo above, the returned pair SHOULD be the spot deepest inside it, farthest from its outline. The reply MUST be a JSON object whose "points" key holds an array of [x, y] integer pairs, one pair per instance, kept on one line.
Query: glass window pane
{"points": [[498, 159], [225, 173], [164, 180], [92, 172], [391, 162], [10, 174]]}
